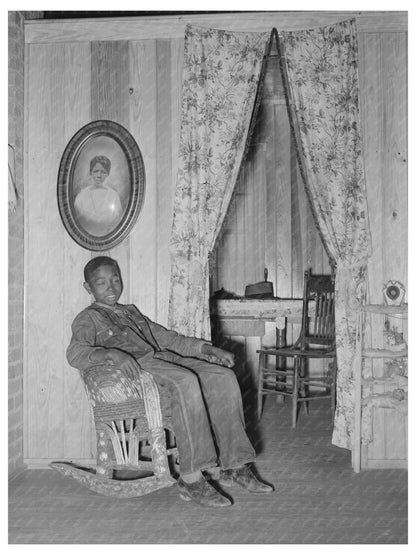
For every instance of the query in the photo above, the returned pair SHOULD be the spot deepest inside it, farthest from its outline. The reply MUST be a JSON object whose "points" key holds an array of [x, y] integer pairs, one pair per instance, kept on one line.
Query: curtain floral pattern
{"points": [[220, 78], [322, 73]]}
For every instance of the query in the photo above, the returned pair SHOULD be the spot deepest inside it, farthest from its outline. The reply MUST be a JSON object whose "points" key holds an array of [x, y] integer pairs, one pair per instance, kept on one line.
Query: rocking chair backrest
{"points": [[318, 326]]}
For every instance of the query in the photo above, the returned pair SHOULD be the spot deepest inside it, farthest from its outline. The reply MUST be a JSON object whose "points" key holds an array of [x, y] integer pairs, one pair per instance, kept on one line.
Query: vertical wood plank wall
{"points": [[138, 84], [383, 63]]}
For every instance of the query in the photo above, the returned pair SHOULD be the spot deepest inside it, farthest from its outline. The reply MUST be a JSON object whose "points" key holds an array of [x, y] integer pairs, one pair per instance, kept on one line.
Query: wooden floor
{"points": [[318, 500]]}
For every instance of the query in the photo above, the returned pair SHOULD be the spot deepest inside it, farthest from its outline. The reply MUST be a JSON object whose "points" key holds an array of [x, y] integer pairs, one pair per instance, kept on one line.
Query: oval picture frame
{"points": [[101, 185]]}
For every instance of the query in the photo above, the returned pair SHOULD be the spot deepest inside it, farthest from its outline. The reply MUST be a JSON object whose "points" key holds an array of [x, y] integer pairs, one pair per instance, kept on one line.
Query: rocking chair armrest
{"points": [[107, 383], [104, 364]]}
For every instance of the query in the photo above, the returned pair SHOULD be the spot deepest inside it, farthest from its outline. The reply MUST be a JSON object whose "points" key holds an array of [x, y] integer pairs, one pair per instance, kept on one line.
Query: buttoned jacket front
{"points": [[125, 328]]}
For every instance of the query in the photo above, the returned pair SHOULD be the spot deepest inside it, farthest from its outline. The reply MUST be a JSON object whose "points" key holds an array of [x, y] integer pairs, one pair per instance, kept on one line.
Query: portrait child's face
{"points": [[99, 173], [105, 285]]}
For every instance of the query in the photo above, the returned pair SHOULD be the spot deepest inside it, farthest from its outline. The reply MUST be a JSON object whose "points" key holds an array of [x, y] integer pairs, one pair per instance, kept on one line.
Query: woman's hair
{"points": [[97, 262], [103, 160]]}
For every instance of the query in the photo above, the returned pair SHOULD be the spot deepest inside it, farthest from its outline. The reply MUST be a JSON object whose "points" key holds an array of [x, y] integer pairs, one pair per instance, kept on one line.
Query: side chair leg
{"points": [[333, 387], [304, 369], [295, 391], [260, 386]]}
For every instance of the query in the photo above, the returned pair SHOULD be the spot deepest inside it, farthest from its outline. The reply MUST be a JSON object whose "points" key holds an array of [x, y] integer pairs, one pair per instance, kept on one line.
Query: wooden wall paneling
{"points": [[284, 239], [165, 186], [371, 83], [109, 81], [296, 224], [249, 245], [302, 204], [79, 431], [228, 249], [247, 255], [240, 253], [217, 280], [271, 200], [110, 100], [44, 391], [394, 60], [259, 208], [143, 127], [177, 55], [304, 227], [231, 246], [223, 246], [313, 255], [394, 169], [224, 268]]}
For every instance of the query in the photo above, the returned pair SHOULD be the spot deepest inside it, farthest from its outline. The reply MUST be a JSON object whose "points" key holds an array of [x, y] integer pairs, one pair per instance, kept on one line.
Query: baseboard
{"points": [[386, 464]]}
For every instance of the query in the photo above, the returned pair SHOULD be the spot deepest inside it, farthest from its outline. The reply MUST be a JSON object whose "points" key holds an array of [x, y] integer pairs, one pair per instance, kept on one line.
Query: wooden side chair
{"points": [[316, 341], [133, 426]]}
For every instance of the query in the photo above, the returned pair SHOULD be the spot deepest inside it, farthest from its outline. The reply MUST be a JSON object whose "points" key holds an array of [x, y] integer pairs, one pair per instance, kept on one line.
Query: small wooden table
{"points": [[247, 317], [250, 324]]}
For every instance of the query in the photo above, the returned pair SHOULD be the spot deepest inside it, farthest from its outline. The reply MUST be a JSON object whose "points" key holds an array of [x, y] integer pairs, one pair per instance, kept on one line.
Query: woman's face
{"points": [[99, 173]]}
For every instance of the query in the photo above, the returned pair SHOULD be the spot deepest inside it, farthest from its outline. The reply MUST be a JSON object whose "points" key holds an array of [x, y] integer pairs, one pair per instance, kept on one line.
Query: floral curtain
{"points": [[220, 79], [322, 73]]}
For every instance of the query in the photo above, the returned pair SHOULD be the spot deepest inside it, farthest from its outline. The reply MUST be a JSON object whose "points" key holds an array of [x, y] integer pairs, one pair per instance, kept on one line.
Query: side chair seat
{"points": [[295, 352]]}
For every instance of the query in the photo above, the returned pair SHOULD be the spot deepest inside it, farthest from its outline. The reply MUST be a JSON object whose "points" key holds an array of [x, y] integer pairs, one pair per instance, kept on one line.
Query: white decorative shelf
{"points": [[379, 400], [384, 309], [384, 353]]}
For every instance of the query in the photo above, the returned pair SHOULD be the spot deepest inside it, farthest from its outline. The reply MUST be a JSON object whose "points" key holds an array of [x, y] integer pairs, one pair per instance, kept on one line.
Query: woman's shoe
{"points": [[203, 493]]}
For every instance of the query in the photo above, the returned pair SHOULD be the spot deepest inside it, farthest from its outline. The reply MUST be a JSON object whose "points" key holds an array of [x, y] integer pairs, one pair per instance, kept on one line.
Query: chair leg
{"points": [[104, 467], [260, 386], [303, 374], [333, 387], [295, 391]]}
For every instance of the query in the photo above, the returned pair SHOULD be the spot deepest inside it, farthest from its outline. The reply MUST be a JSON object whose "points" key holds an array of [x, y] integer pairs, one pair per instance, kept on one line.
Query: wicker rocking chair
{"points": [[131, 434]]}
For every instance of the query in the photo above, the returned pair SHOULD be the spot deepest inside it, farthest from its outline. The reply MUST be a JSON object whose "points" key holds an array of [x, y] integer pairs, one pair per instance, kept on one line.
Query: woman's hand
{"points": [[218, 356]]}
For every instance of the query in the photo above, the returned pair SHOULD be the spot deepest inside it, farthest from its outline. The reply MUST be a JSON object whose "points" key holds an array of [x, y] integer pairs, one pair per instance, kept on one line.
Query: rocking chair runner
{"points": [[126, 414], [316, 341]]}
